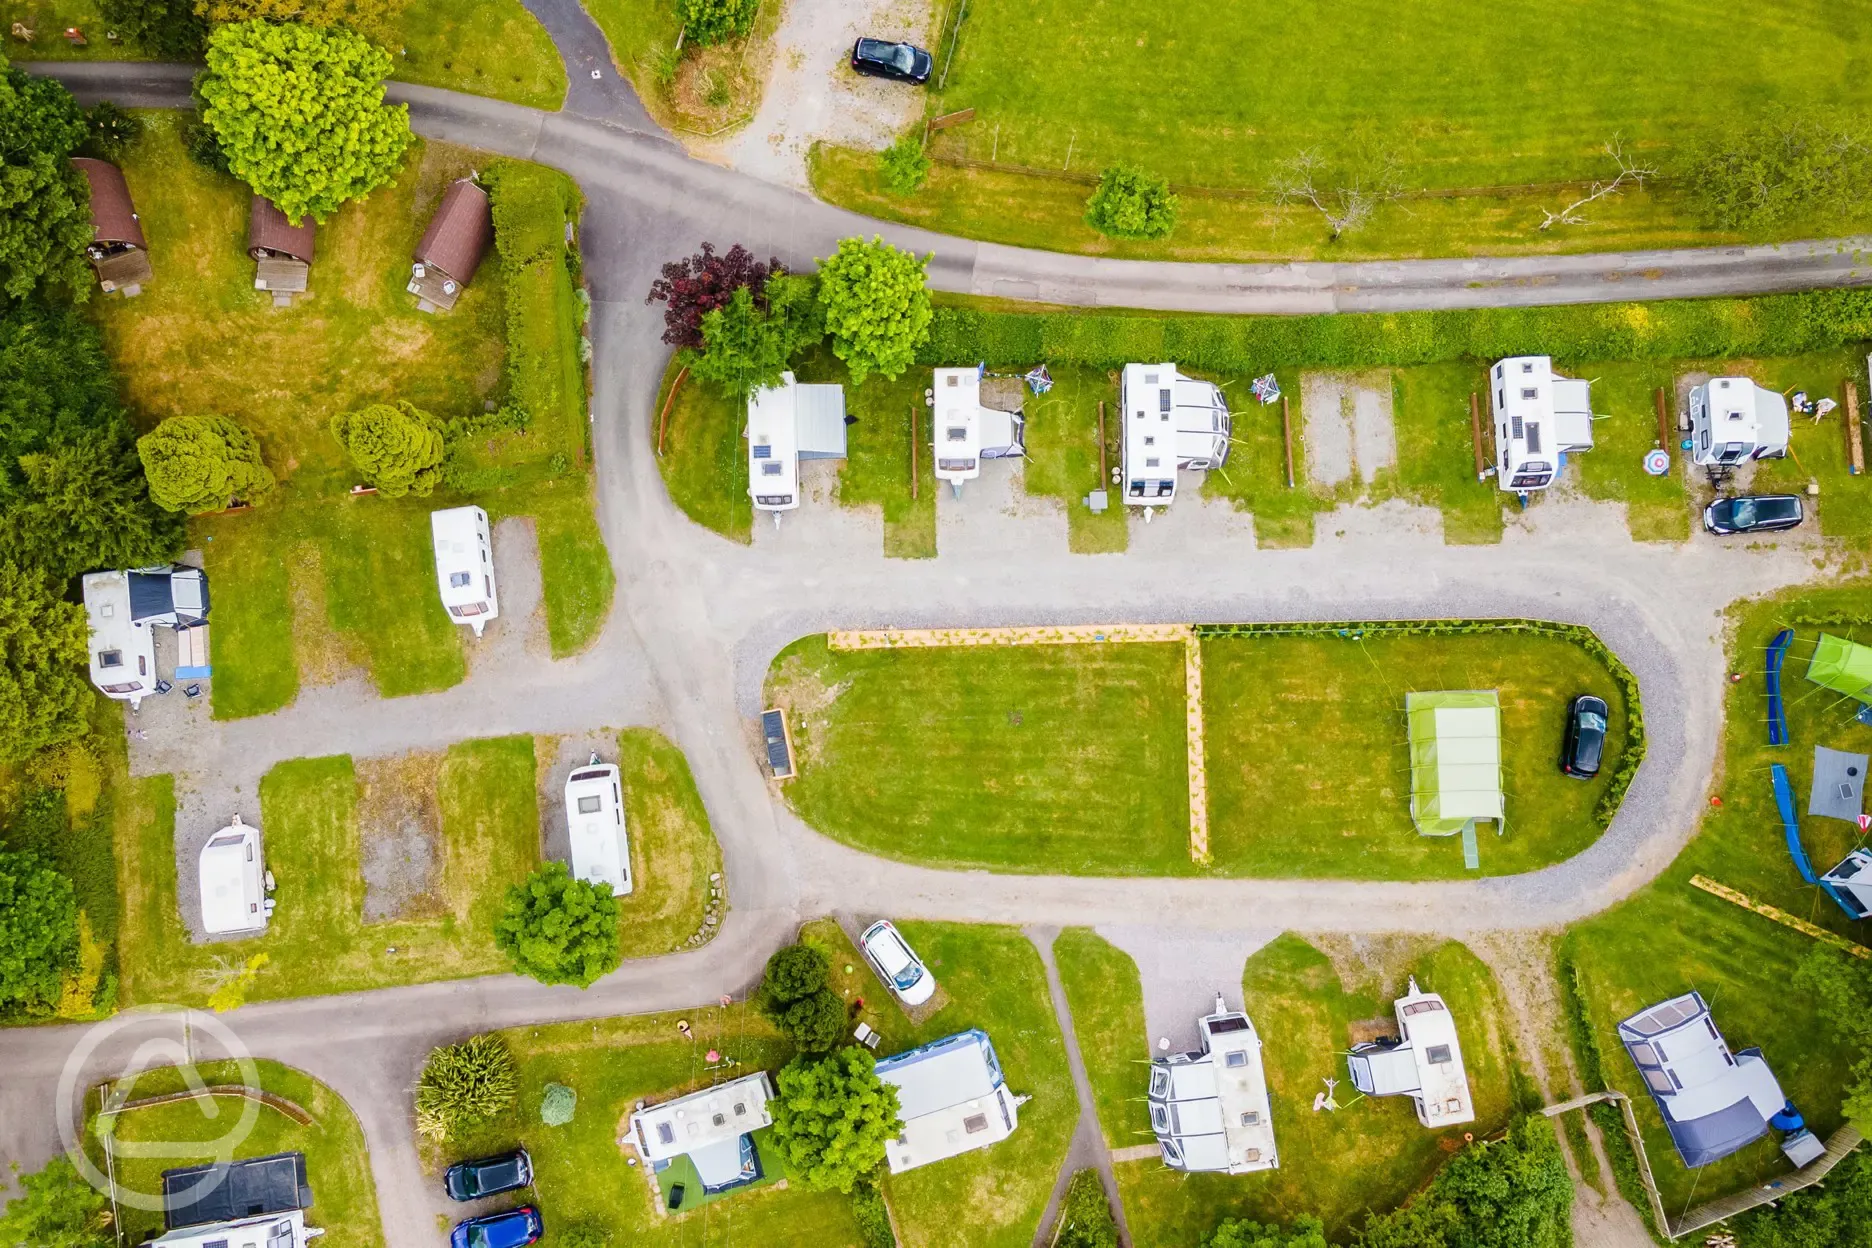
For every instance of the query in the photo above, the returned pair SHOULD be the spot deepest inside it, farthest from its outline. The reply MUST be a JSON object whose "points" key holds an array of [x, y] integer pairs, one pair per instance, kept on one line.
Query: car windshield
{"points": [[1591, 721], [907, 978], [901, 57], [1742, 515]]}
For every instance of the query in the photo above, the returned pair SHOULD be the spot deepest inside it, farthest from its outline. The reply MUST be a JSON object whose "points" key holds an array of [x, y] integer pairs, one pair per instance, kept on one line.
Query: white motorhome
{"points": [[1209, 1110], [971, 425], [233, 882], [714, 1128], [464, 558], [123, 649], [951, 1097], [1539, 417], [1733, 421], [1170, 422], [1424, 1063], [594, 811], [785, 424]]}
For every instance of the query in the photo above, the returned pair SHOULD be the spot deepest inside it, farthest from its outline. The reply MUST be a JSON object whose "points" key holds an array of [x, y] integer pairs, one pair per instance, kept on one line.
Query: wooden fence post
{"points": [[1287, 439], [1475, 435], [1101, 480], [1664, 439], [913, 453], [1855, 449]]}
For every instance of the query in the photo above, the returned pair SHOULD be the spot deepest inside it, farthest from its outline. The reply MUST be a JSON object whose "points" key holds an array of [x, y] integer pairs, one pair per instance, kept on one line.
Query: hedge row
{"points": [[1578, 634], [1678, 329], [532, 207]]}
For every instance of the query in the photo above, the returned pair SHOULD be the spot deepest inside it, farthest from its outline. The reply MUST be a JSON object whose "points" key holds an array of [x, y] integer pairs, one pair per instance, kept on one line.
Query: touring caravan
{"points": [[1539, 417], [1171, 422]]}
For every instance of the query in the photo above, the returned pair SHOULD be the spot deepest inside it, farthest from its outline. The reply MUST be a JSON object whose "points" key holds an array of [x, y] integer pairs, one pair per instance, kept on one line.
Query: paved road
{"points": [[697, 619]]}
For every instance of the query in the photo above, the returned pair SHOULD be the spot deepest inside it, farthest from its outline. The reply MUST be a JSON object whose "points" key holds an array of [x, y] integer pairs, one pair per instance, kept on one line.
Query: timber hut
{"points": [[452, 247], [282, 251], [117, 251]]}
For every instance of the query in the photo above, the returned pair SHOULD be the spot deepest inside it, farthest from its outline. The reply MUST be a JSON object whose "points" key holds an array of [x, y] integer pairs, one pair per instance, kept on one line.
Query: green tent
{"points": [[1455, 755], [1842, 666]]}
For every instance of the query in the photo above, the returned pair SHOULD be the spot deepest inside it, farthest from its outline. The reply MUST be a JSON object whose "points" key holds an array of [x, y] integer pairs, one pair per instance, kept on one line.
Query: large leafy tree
{"points": [[832, 1117], [38, 932], [558, 929], [45, 206], [43, 689], [877, 306], [85, 504], [1787, 165], [170, 29], [56, 1208], [1132, 203], [202, 463], [1508, 1193], [696, 285], [300, 114], [377, 20], [747, 345], [397, 446], [796, 993], [1306, 1232], [464, 1085]]}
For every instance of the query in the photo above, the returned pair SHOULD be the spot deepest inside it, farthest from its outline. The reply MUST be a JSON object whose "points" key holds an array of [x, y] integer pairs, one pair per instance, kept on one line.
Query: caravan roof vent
{"points": [[1163, 400], [952, 380]]}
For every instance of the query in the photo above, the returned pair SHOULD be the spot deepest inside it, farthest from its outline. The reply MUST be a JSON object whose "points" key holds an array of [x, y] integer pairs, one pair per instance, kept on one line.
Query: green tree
{"points": [[816, 1023], [380, 21], [397, 446], [111, 131], [300, 114], [202, 463], [1508, 1193], [43, 688], [170, 29], [1085, 1217], [795, 992], [1240, 1233], [904, 166], [1841, 989], [558, 929], [465, 1085], [1130, 202], [38, 932], [1835, 1215], [85, 504], [558, 1105], [832, 1117], [1788, 165], [45, 205], [56, 1208], [747, 345], [712, 21], [877, 306]]}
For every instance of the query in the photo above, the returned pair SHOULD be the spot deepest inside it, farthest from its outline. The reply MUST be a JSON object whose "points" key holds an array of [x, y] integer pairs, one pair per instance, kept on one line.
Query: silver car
{"points": [[891, 957]]}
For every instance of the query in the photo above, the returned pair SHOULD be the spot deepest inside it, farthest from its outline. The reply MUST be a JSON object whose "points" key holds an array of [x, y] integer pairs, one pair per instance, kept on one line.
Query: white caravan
{"points": [[1170, 422], [1425, 1063], [785, 424], [123, 650], [594, 811], [464, 559], [1733, 421], [967, 431], [233, 882], [1539, 417], [1209, 1110]]}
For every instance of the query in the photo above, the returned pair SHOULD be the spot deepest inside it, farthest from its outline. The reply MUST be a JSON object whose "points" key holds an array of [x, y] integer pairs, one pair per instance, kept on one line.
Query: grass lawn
{"points": [[1436, 450], [673, 849], [1106, 997], [484, 47], [1671, 938], [337, 1162], [1326, 82], [1369, 1155], [1819, 449], [200, 339], [1625, 396], [1255, 477], [1309, 767], [1033, 758], [992, 979], [1063, 455], [704, 459], [701, 91]]}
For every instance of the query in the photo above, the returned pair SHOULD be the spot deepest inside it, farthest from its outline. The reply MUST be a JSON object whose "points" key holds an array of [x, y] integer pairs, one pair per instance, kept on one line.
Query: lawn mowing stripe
{"points": [[1780, 916]]}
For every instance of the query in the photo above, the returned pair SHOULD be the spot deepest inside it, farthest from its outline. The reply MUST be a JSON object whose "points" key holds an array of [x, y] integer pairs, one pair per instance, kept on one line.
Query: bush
{"points": [[1306, 1232], [816, 1023], [1132, 203], [57, 1208], [202, 463], [465, 1085], [872, 1216], [112, 131], [558, 929], [712, 21], [557, 1105], [38, 933], [1085, 1218], [1514, 1192], [1790, 165], [397, 446], [203, 148], [877, 306], [904, 167], [532, 206], [43, 691], [748, 343], [170, 29], [696, 285], [1837, 1214], [832, 1116], [793, 974]]}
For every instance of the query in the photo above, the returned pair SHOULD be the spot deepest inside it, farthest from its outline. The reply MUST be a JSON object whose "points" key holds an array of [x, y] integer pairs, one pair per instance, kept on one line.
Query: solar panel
{"points": [[779, 753]]}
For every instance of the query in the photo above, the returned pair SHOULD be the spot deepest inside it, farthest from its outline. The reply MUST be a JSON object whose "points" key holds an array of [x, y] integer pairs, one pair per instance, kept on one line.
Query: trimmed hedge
{"points": [[1677, 329], [1578, 634], [532, 206]]}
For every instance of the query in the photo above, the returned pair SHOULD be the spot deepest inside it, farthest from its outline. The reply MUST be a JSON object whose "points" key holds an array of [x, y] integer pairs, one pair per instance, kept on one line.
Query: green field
{"points": [[1371, 1154], [1508, 97], [1072, 758], [484, 47], [337, 1162], [1671, 938], [478, 800]]}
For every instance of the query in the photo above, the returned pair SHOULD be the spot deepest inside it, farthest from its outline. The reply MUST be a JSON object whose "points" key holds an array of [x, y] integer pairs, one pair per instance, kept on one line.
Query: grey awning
{"points": [[819, 418], [225, 1191], [1838, 784]]}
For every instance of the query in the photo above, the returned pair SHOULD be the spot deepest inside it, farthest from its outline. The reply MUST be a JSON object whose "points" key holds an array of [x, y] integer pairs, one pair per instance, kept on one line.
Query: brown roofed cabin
{"points": [[451, 249], [117, 249], [282, 251]]}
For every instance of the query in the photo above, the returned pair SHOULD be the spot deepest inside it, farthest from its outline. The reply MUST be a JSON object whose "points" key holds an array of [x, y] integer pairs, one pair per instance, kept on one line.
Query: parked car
{"points": [[488, 1176], [904, 62], [1753, 513], [1585, 737], [891, 956], [511, 1228]]}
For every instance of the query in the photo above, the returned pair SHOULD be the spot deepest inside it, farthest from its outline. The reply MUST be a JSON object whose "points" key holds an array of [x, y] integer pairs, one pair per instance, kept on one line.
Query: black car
{"points": [[1753, 513], [903, 61], [490, 1176], [1585, 737]]}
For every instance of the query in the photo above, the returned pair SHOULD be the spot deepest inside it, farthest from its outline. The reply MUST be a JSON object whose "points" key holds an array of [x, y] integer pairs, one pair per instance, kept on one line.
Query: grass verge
{"points": [[675, 860]]}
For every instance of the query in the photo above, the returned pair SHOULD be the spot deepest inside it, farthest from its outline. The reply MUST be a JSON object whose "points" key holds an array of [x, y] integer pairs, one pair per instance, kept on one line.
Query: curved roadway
{"points": [[698, 618]]}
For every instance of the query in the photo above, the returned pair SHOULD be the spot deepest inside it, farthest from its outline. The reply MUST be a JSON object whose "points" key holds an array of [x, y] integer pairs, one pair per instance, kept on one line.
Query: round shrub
{"points": [[558, 1105], [1132, 203]]}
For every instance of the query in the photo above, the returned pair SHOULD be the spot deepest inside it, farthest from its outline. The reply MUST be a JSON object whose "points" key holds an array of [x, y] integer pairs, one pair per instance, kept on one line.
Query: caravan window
{"points": [[770, 469], [458, 579], [666, 1133], [1533, 439], [975, 1124], [1235, 1058], [1437, 1054], [1658, 1082], [957, 433], [110, 658], [589, 805], [1530, 394]]}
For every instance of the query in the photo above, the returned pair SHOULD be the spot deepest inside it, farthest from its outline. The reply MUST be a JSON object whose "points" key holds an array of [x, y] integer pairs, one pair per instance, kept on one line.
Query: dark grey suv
{"points": [[1753, 513], [904, 62]]}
